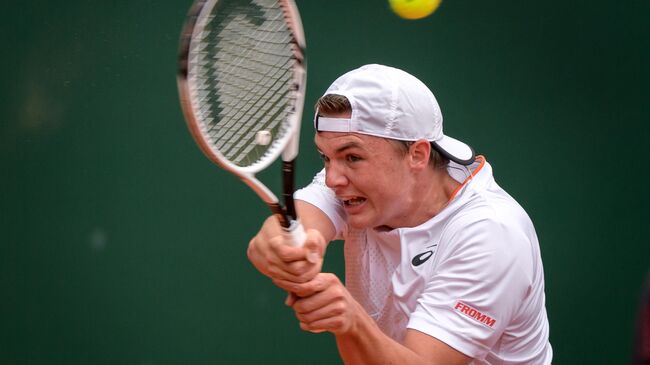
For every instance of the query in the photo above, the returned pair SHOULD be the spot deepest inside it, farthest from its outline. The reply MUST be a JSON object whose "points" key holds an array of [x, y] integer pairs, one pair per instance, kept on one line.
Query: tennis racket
{"points": [[241, 79]]}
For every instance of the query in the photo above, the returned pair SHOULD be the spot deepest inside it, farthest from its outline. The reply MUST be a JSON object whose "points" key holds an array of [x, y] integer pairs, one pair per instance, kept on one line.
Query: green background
{"points": [[120, 243]]}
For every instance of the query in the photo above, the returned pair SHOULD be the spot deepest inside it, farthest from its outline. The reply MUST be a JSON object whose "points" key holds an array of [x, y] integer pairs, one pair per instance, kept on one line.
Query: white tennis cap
{"points": [[390, 103]]}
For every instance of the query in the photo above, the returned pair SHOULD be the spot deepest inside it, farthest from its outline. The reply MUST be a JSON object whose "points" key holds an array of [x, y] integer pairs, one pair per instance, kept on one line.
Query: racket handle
{"points": [[297, 232]]}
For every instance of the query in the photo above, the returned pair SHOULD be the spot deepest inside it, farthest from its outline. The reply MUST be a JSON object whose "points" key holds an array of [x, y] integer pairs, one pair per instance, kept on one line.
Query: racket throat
{"points": [[288, 168], [279, 212]]}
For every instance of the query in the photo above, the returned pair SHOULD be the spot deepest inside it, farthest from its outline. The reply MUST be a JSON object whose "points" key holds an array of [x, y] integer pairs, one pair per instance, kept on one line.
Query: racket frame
{"points": [[287, 145]]}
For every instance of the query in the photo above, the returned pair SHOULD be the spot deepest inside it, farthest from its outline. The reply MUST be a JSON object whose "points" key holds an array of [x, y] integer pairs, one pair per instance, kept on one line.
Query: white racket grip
{"points": [[297, 233]]}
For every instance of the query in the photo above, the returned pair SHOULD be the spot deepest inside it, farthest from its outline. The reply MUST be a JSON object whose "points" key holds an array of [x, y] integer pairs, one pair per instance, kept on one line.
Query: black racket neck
{"points": [[288, 168], [279, 212]]}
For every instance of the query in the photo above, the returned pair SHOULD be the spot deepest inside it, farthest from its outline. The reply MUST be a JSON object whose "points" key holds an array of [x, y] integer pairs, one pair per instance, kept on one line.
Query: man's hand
{"points": [[323, 304], [272, 252]]}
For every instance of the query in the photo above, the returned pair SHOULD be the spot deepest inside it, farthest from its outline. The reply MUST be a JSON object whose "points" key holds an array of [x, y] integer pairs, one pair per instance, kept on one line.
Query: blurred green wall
{"points": [[121, 244]]}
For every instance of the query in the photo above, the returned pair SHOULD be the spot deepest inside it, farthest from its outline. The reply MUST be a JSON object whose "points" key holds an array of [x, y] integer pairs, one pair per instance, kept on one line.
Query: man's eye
{"points": [[324, 158], [352, 158]]}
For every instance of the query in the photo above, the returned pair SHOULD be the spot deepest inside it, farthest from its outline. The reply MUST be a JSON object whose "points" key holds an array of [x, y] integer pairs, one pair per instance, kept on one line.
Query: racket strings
{"points": [[241, 71]]}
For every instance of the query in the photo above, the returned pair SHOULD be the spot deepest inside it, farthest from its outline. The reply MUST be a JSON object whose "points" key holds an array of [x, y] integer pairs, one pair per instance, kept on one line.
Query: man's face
{"points": [[370, 175]]}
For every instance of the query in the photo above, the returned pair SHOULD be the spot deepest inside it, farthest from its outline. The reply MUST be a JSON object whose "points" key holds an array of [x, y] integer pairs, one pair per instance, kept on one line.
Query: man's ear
{"points": [[420, 153]]}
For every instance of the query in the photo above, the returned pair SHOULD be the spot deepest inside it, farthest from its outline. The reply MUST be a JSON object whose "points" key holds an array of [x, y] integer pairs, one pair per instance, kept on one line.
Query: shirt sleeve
{"points": [[319, 195], [476, 286]]}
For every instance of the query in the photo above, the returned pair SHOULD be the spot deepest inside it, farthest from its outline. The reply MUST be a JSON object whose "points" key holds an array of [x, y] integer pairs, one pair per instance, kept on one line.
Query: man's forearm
{"points": [[366, 344], [314, 218]]}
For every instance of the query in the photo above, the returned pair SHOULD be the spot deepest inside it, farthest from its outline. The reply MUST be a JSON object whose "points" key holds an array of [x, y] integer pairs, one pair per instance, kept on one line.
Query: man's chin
{"points": [[358, 223], [361, 222]]}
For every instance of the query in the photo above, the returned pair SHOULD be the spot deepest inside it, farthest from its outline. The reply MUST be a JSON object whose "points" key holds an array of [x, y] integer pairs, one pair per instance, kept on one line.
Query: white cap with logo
{"points": [[390, 103]]}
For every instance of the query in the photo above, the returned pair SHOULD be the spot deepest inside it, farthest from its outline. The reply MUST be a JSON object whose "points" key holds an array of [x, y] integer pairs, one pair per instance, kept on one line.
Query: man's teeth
{"points": [[354, 201]]}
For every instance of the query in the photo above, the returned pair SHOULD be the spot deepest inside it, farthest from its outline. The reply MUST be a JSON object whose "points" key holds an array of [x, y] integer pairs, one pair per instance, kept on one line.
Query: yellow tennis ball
{"points": [[414, 9]]}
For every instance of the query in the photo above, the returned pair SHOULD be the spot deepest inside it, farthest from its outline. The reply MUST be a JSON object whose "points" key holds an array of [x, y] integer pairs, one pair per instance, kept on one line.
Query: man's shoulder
{"points": [[490, 203]]}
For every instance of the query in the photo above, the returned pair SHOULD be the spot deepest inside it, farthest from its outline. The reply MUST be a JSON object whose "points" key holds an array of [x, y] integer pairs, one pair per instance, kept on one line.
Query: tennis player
{"points": [[442, 265]]}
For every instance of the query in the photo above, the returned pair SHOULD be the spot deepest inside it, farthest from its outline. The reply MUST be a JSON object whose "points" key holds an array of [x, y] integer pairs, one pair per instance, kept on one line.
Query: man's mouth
{"points": [[353, 201]]}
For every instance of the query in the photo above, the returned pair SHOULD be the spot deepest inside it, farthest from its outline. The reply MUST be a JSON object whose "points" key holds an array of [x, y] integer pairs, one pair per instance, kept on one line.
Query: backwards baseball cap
{"points": [[390, 103]]}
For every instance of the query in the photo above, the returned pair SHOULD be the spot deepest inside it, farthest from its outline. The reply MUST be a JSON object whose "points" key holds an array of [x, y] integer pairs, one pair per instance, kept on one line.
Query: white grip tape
{"points": [[297, 232]]}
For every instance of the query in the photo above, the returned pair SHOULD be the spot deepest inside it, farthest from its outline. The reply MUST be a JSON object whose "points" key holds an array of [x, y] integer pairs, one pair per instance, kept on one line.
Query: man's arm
{"points": [[370, 346], [323, 304], [312, 217]]}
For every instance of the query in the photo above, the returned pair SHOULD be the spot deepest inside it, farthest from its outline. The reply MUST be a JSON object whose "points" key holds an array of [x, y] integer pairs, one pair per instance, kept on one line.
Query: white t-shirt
{"points": [[471, 276]]}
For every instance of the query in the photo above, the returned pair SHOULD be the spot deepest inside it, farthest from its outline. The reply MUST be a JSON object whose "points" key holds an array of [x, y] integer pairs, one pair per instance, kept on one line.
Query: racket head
{"points": [[241, 80]]}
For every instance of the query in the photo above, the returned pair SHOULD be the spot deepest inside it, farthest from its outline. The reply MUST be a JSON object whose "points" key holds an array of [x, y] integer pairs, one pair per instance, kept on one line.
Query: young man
{"points": [[442, 265]]}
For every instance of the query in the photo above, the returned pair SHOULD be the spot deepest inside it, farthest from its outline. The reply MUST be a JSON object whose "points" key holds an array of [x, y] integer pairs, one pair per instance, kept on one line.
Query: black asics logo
{"points": [[421, 258]]}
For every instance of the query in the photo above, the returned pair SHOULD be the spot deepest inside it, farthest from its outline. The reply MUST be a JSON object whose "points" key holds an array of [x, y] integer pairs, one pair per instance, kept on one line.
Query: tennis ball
{"points": [[263, 138], [414, 9]]}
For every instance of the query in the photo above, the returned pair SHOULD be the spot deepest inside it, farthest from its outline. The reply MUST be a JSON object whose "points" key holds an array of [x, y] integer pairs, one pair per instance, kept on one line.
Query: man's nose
{"points": [[334, 177]]}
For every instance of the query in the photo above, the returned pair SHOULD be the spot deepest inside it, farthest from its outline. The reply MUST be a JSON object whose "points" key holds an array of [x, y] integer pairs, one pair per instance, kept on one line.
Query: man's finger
{"points": [[284, 251], [314, 247], [291, 299], [306, 327], [317, 284]]}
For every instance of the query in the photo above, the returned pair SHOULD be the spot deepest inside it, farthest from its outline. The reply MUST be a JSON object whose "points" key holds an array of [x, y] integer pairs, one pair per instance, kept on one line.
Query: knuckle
{"points": [[275, 243], [299, 308], [301, 290], [338, 292], [336, 324], [339, 308], [301, 279], [330, 278], [268, 256], [273, 270], [310, 274], [250, 253], [283, 254], [301, 266]]}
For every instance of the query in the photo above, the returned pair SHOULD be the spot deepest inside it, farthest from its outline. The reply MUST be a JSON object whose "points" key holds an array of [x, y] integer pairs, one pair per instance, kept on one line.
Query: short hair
{"points": [[335, 103]]}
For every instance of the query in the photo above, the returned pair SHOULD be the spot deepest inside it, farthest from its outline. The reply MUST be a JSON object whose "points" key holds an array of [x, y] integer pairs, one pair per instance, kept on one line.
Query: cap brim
{"points": [[455, 150]]}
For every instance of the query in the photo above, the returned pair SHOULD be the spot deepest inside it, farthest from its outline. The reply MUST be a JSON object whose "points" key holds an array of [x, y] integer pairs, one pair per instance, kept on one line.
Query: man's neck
{"points": [[428, 197]]}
